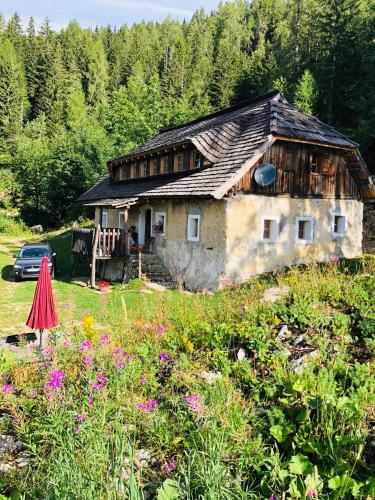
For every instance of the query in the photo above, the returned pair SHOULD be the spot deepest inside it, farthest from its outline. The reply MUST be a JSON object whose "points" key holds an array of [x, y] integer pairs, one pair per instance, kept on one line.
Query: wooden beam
{"points": [[315, 143]]}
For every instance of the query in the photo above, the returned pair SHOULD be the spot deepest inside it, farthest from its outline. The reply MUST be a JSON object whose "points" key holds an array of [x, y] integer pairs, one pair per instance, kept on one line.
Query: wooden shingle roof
{"points": [[232, 140]]}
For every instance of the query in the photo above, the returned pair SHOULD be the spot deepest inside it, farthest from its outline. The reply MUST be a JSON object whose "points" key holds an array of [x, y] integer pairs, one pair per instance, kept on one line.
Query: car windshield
{"points": [[34, 252]]}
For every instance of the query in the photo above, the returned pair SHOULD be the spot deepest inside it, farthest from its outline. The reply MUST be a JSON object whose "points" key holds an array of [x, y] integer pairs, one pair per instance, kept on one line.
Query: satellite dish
{"points": [[265, 175]]}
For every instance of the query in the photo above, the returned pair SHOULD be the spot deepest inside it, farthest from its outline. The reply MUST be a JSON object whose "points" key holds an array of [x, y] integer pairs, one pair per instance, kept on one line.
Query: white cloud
{"points": [[145, 6]]}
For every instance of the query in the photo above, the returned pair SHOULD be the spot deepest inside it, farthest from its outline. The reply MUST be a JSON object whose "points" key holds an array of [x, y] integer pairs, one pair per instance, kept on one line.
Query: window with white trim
{"points": [[193, 229], [121, 220], [104, 221], [160, 223], [339, 225], [304, 230], [270, 228]]}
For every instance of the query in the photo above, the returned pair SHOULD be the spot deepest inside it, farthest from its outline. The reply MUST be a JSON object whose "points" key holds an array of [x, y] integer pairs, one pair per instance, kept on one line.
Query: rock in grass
{"points": [[299, 364], [274, 294], [22, 461], [8, 444], [38, 228], [283, 333], [241, 355], [298, 340], [211, 377]]}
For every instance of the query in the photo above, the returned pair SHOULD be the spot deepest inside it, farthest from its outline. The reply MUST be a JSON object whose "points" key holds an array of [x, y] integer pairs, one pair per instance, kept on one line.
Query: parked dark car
{"points": [[29, 260]]}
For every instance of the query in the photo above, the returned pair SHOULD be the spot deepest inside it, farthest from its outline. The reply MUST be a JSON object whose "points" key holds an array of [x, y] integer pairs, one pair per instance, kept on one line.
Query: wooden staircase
{"points": [[154, 270]]}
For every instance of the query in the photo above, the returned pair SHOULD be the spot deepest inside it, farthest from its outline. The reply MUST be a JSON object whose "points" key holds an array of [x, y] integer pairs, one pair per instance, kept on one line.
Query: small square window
{"points": [[180, 162], [315, 163], [126, 172], [160, 223], [193, 227], [270, 229], [304, 230], [156, 164], [104, 218], [338, 225]]}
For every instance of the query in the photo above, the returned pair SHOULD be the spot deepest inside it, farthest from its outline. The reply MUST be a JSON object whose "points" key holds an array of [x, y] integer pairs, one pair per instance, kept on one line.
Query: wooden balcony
{"points": [[105, 243]]}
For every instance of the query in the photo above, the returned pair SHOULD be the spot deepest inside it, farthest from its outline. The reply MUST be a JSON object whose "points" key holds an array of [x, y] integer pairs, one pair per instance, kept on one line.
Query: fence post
{"points": [[93, 260], [139, 264]]}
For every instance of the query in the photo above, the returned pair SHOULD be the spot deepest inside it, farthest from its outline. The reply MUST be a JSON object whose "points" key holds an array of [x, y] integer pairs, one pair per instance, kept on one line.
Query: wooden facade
{"points": [[178, 159], [303, 170]]}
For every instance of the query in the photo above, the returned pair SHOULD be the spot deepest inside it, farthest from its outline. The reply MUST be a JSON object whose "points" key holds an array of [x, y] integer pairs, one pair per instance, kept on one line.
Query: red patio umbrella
{"points": [[43, 314]]}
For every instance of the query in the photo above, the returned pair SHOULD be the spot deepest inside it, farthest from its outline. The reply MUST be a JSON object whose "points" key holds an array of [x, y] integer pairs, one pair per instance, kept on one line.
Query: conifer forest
{"points": [[71, 100]]}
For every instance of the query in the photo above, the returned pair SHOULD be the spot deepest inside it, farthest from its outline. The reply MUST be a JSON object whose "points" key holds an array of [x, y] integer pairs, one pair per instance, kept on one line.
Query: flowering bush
{"points": [[227, 403]]}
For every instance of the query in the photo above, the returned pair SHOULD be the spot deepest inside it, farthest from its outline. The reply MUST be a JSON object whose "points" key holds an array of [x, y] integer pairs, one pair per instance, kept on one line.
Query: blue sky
{"points": [[102, 12]]}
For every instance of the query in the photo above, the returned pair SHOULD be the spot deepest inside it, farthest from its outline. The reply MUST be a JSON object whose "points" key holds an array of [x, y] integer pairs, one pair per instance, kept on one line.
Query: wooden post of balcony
{"points": [[126, 228], [94, 251]]}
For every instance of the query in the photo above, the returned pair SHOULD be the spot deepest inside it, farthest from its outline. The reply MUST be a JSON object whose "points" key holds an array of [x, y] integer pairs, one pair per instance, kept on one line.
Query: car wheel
{"points": [[17, 279]]}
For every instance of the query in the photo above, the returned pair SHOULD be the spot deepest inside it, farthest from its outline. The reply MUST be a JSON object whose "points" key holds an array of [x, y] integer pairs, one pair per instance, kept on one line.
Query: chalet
{"points": [[201, 207]]}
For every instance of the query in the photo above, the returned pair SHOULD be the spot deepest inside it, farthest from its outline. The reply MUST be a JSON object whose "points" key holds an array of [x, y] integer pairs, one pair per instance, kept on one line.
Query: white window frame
{"points": [[192, 217], [104, 214], [275, 228], [163, 214], [305, 241], [121, 215], [336, 235]]}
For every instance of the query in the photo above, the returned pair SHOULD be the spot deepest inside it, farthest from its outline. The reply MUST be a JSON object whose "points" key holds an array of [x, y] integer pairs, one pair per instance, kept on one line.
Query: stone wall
{"points": [[248, 254]]}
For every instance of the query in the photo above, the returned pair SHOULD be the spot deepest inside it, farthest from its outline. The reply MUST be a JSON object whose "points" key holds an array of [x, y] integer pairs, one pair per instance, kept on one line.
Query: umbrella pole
{"points": [[40, 339]]}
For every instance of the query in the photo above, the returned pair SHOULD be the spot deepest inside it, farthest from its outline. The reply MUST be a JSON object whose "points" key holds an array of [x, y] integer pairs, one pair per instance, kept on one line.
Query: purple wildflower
{"points": [[54, 383], [120, 364], [194, 403], [272, 497], [86, 346], [312, 494], [170, 466], [8, 389], [116, 351], [163, 357], [91, 400], [33, 393], [150, 405], [143, 380], [101, 383], [334, 259], [160, 330], [105, 340]]}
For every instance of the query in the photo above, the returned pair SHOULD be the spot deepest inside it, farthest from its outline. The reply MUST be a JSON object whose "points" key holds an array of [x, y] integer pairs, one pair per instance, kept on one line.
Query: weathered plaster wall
{"points": [[198, 264], [113, 217], [247, 254]]}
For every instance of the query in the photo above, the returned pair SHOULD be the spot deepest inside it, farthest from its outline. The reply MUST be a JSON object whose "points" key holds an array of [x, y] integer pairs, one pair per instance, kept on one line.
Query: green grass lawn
{"points": [[75, 302]]}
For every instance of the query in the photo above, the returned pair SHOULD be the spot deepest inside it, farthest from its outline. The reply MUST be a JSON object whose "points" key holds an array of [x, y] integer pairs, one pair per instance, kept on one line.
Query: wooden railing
{"points": [[108, 242], [111, 243]]}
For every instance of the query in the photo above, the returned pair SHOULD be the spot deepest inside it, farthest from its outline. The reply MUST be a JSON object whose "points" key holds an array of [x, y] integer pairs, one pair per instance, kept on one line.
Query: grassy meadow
{"points": [[175, 396]]}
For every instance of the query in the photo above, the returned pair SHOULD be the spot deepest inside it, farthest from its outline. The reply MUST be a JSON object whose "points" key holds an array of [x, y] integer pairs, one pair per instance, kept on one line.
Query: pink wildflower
{"points": [[86, 346], [54, 383], [48, 351], [170, 466], [8, 389], [65, 344], [105, 340], [121, 364], [101, 383], [160, 330], [33, 393], [150, 405], [312, 494], [143, 380], [116, 351], [334, 259], [91, 400], [81, 418], [272, 497], [88, 360], [163, 357], [194, 403]]}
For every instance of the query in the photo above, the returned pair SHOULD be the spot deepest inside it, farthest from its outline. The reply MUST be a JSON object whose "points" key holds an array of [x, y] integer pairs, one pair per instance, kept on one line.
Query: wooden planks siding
{"points": [[293, 175]]}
